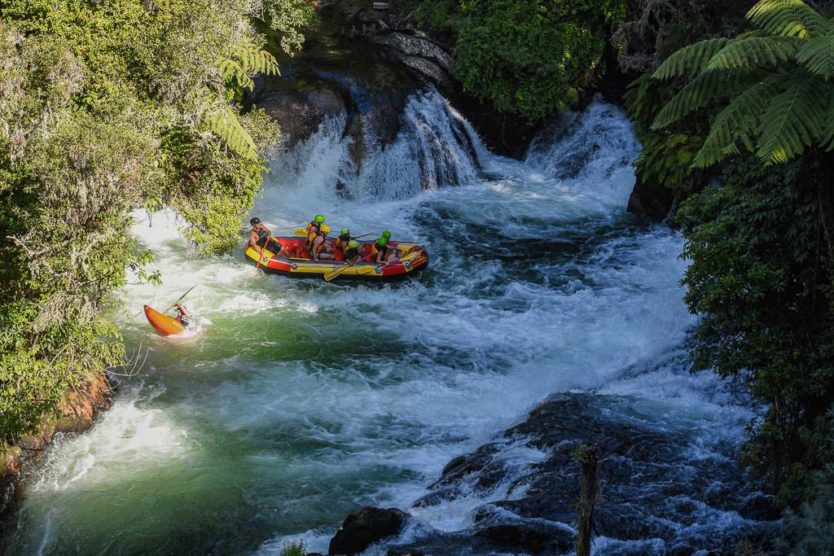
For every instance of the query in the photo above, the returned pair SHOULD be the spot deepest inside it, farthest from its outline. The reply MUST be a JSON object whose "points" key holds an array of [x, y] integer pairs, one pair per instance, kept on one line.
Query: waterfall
{"points": [[435, 147]]}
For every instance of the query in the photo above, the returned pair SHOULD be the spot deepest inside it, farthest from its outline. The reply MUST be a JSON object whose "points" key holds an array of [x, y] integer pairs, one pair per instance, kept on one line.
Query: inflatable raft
{"points": [[162, 323], [295, 261]]}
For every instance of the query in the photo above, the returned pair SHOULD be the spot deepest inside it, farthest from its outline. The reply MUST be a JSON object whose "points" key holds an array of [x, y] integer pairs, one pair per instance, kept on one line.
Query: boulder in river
{"points": [[365, 527]]}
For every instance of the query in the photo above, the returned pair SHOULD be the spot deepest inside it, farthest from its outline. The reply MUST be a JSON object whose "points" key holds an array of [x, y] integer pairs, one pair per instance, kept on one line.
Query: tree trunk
{"points": [[588, 457]]}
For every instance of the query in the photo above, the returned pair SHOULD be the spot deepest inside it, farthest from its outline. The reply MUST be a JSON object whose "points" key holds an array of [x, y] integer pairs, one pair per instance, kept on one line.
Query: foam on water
{"points": [[300, 400]]}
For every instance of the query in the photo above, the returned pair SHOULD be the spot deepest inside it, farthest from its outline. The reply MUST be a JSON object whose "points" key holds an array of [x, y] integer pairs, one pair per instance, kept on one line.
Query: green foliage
{"points": [[294, 549], [761, 278], [667, 154], [104, 107], [792, 52], [526, 58]]}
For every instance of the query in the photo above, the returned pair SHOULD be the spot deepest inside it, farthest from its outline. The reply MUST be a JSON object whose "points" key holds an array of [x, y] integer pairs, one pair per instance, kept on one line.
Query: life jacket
{"points": [[351, 253], [263, 237], [372, 252], [313, 229], [316, 249]]}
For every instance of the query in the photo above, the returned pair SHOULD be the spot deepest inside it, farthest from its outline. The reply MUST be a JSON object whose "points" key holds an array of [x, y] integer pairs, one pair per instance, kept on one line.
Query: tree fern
{"points": [[224, 123], [739, 121], [755, 52], [817, 55], [788, 18], [793, 121], [244, 60], [700, 92], [690, 59]]}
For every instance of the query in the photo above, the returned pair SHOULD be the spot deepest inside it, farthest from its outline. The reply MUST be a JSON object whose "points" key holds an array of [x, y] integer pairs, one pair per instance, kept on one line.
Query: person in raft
{"points": [[320, 251], [313, 230], [352, 255], [394, 254], [340, 247], [379, 252], [183, 316], [260, 238]]}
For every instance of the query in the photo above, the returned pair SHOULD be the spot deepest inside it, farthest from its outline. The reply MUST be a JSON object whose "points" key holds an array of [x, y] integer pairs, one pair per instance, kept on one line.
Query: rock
{"points": [[650, 200], [365, 527], [531, 538]]}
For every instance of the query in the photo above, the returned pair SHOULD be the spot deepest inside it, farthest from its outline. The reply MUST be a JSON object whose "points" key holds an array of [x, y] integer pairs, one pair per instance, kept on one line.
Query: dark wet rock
{"points": [[657, 495], [365, 527], [530, 538], [651, 200]]}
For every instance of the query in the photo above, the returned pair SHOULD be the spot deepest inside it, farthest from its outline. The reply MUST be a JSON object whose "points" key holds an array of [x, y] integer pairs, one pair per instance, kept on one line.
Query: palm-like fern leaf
{"points": [[689, 59], [788, 18], [739, 120], [750, 52], [224, 123], [700, 92], [230, 69], [817, 55], [827, 138], [793, 121], [255, 59]]}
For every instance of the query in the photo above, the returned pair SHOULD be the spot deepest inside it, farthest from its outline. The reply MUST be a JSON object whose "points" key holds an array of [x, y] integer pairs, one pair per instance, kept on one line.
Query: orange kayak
{"points": [[162, 323]]}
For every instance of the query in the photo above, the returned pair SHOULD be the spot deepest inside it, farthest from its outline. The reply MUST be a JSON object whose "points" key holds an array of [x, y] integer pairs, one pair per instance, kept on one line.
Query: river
{"points": [[297, 401]]}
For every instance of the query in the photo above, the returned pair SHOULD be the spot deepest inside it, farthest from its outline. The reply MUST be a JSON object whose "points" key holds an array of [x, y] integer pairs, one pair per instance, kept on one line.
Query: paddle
{"points": [[261, 256], [333, 273], [180, 299]]}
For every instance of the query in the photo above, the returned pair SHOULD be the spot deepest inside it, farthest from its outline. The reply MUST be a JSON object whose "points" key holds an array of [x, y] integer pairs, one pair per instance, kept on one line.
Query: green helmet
{"points": [[353, 244], [386, 234], [344, 232], [382, 242], [320, 219]]}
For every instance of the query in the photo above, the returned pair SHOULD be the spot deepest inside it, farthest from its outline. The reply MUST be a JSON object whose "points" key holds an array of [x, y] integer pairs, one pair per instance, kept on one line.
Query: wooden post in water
{"points": [[588, 458]]}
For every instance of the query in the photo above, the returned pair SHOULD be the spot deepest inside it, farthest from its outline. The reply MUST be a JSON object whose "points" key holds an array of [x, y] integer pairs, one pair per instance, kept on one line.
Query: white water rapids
{"points": [[296, 402]]}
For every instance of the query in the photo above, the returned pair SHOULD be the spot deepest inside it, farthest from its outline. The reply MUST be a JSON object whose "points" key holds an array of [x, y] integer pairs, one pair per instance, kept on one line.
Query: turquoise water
{"points": [[295, 402]]}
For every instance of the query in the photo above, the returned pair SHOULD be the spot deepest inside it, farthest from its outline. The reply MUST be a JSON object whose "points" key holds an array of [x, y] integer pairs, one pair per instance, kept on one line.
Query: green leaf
{"points": [[690, 59], [817, 55], [792, 122], [788, 18], [754, 52], [704, 89], [737, 121]]}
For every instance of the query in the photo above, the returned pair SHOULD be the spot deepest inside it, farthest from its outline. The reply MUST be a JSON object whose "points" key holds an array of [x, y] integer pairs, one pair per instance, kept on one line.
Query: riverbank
{"points": [[77, 412]]}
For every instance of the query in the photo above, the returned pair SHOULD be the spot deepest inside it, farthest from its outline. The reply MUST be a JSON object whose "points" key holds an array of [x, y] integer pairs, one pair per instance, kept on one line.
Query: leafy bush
{"points": [[107, 106], [761, 277], [526, 58]]}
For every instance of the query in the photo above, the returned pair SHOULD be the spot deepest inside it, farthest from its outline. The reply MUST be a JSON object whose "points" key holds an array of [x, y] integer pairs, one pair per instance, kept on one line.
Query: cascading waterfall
{"points": [[300, 401], [435, 147]]}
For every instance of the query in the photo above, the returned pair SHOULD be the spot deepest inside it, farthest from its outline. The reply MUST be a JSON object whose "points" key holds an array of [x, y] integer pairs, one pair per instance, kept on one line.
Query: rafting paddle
{"points": [[333, 273], [180, 299]]}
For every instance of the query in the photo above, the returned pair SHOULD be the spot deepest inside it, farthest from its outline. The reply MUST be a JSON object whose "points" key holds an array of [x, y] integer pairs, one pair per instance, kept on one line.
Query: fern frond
{"points": [[738, 121], [224, 123], [788, 18], [817, 55], [793, 121], [754, 52], [827, 138], [700, 92], [255, 59], [689, 59], [230, 69]]}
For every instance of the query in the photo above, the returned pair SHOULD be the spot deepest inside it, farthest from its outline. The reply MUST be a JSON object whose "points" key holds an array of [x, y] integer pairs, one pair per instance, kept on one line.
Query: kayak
{"points": [[298, 264], [162, 323]]}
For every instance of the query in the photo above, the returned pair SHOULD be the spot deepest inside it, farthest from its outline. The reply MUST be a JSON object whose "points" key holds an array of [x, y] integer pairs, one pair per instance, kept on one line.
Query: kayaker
{"points": [[313, 229], [183, 316], [319, 250], [260, 238]]}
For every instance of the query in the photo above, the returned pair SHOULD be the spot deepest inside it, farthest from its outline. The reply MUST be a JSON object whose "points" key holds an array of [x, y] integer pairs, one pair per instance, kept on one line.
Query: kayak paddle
{"points": [[180, 299]]}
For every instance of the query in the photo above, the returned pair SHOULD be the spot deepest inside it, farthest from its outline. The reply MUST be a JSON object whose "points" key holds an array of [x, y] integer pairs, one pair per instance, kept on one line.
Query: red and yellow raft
{"points": [[162, 323], [298, 263]]}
